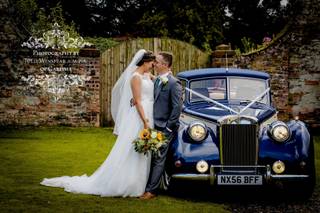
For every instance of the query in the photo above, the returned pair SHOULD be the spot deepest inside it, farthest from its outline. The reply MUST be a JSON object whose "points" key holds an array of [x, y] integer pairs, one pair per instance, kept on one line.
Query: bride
{"points": [[124, 172]]}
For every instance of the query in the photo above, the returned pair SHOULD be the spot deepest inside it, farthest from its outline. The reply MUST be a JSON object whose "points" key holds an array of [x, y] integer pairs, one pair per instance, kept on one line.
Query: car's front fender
{"points": [[187, 151], [294, 150]]}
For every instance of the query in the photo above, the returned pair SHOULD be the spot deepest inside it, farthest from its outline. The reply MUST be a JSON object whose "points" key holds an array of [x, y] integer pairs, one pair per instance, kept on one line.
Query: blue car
{"points": [[230, 134]]}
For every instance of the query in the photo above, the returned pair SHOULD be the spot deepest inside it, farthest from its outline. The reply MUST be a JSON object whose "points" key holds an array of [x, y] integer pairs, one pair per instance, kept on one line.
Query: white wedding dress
{"points": [[125, 172]]}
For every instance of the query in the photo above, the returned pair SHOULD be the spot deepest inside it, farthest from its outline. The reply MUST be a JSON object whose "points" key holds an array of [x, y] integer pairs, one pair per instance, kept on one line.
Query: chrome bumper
{"points": [[211, 177]]}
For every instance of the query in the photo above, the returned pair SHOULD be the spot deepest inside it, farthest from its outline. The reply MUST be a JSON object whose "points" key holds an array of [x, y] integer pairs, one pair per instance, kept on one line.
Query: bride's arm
{"points": [[136, 92]]}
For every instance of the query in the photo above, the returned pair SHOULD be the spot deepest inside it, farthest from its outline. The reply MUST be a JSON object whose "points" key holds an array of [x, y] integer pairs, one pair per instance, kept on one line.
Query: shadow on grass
{"points": [[246, 199], [267, 195]]}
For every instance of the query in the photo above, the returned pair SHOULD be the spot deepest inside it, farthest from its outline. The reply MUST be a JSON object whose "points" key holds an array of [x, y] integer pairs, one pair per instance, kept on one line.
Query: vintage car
{"points": [[230, 134]]}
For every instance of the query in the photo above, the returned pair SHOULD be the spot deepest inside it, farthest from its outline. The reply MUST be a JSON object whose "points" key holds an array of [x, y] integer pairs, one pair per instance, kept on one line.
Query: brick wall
{"points": [[28, 95], [293, 61], [45, 93], [31, 96]]}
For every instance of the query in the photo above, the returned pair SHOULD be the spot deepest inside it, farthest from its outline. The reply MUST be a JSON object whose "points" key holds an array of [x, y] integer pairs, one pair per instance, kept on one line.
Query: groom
{"points": [[166, 112]]}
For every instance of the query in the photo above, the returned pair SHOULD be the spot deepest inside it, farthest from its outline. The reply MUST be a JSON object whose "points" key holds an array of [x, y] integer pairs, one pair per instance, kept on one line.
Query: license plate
{"points": [[239, 180]]}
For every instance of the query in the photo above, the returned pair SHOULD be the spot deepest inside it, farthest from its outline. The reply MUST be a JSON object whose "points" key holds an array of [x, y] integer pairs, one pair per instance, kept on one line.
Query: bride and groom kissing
{"points": [[139, 100]]}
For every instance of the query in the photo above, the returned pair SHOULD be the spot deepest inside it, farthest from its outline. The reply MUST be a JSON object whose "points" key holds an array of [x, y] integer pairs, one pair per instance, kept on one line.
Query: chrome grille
{"points": [[238, 144]]}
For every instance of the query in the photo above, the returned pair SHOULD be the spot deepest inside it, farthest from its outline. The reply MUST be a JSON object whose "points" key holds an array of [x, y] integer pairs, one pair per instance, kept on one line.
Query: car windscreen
{"points": [[247, 89], [212, 88]]}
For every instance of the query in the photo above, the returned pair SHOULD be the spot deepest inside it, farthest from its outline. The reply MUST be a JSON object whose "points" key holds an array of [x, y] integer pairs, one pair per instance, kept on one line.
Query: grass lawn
{"points": [[29, 155]]}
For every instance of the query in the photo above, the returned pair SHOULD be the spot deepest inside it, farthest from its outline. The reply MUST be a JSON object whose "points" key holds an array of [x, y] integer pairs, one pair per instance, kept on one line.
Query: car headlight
{"points": [[197, 131], [279, 131]]}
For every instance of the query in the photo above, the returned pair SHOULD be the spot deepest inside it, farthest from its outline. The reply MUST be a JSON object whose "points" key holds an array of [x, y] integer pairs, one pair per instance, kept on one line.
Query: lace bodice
{"points": [[146, 87]]}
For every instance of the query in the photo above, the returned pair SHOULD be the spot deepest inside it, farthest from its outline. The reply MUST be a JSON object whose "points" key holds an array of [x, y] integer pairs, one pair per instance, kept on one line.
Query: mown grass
{"points": [[29, 155]]}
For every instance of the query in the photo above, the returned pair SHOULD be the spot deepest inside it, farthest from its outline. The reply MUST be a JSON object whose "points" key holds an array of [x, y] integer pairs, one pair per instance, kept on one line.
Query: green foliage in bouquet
{"points": [[149, 141]]}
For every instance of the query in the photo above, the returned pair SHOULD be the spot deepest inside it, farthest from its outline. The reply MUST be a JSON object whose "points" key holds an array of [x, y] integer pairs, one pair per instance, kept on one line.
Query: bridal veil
{"points": [[121, 94]]}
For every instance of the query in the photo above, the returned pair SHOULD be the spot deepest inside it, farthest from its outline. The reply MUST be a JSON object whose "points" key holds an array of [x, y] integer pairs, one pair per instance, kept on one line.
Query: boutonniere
{"points": [[164, 80]]}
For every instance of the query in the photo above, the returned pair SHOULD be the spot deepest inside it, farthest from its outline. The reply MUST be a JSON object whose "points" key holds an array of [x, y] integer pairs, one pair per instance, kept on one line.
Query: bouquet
{"points": [[149, 141]]}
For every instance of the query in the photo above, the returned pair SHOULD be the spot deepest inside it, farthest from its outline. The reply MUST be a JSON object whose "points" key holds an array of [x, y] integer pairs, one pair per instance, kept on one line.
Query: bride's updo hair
{"points": [[147, 56]]}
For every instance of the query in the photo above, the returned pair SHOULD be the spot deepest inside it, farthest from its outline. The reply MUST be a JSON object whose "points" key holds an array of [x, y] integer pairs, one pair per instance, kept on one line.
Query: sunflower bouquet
{"points": [[149, 141]]}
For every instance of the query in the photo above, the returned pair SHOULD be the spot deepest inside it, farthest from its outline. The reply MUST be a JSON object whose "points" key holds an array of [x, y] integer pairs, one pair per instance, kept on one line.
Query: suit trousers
{"points": [[158, 164]]}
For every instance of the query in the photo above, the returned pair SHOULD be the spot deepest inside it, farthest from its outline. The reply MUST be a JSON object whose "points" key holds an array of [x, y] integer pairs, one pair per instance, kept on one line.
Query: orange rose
{"points": [[144, 134]]}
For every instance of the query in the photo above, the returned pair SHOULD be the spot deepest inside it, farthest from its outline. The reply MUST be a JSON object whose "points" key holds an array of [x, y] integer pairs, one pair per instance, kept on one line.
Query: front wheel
{"points": [[307, 187], [304, 190]]}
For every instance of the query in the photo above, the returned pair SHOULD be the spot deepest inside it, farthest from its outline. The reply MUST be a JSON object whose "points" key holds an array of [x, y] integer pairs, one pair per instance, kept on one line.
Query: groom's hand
{"points": [[167, 132], [132, 102]]}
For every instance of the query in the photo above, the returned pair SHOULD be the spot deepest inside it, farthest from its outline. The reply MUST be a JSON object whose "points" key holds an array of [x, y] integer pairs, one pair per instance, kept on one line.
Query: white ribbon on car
{"points": [[226, 107], [254, 100], [210, 100]]}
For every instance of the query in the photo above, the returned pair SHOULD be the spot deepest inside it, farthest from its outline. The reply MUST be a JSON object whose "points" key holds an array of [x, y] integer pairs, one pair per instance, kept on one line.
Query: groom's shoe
{"points": [[144, 194], [147, 196]]}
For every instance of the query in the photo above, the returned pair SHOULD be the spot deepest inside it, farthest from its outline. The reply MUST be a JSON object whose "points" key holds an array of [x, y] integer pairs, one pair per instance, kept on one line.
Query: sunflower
{"points": [[144, 134], [159, 136]]}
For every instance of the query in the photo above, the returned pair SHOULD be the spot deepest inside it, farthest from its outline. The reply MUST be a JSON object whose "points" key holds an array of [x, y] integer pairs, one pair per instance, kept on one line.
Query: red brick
{"points": [[311, 82]]}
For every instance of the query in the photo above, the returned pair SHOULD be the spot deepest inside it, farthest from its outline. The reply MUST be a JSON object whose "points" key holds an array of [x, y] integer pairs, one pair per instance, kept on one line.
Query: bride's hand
{"points": [[152, 77], [146, 124]]}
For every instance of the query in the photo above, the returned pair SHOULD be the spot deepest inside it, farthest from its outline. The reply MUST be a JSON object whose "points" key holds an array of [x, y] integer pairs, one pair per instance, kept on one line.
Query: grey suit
{"points": [[166, 111]]}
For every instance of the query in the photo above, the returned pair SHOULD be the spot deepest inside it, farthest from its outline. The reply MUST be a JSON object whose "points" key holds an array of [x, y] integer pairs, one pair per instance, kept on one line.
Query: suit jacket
{"points": [[167, 104]]}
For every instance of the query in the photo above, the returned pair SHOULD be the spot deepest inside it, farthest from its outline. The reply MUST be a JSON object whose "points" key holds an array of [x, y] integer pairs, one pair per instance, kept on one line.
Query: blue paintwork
{"points": [[204, 110], [213, 72], [292, 152], [189, 152]]}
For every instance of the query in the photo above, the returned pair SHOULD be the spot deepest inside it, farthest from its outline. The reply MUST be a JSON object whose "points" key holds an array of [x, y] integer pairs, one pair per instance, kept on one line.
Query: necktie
{"points": [[156, 83]]}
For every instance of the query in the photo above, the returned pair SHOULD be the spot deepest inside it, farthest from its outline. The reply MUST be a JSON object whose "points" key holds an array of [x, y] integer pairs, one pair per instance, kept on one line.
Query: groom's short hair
{"points": [[167, 57]]}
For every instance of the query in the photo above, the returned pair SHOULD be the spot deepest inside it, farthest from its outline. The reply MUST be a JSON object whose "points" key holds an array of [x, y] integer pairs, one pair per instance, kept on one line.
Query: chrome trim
{"points": [[240, 166], [238, 171], [195, 123], [212, 176], [225, 118], [183, 90], [257, 143], [279, 177], [275, 124], [268, 173], [191, 176], [229, 118]]}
